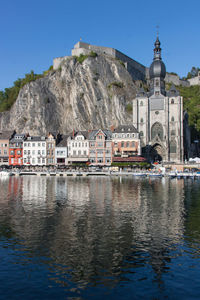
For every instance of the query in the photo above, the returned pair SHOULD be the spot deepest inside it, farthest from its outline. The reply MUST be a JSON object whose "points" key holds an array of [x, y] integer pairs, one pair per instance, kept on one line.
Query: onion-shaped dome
{"points": [[157, 69]]}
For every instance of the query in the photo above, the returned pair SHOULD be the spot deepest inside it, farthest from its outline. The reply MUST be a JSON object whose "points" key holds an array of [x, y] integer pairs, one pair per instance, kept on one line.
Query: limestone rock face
{"points": [[89, 95]]}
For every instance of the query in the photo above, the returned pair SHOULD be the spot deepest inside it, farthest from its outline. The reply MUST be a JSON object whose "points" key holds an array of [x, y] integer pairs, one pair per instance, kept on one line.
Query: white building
{"points": [[78, 147], [34, 151], [61, 152]]}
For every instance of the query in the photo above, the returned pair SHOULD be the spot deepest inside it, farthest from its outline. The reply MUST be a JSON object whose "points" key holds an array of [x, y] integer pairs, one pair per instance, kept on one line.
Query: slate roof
{"points": [[35, 139], [107, 133], [18, 138], [125, 129], [173, 91], [141, 93], [63, 142]]}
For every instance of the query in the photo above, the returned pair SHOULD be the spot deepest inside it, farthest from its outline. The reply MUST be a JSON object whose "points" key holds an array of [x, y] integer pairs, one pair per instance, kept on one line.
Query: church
{"points": [[158, 116]]}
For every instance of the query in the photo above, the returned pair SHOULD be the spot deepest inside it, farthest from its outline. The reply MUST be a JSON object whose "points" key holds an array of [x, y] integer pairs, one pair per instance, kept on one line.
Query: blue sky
{"points": [[34, 32]]}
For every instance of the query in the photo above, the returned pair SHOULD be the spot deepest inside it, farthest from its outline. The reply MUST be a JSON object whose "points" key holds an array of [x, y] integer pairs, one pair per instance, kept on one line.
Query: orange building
{"points": [[16, 150]]}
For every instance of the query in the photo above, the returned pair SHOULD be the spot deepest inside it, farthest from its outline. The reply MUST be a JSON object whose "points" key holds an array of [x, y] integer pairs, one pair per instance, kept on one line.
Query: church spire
{"points": [[157, 49], [157, 72]]}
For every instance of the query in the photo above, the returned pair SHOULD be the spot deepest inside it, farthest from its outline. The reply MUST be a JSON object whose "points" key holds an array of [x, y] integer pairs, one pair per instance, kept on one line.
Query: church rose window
{"points": [[157, 130], [173, 147]]}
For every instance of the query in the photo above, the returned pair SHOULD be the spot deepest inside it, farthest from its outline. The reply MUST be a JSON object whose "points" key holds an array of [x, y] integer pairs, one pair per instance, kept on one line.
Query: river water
{"points": [[99, 238]]}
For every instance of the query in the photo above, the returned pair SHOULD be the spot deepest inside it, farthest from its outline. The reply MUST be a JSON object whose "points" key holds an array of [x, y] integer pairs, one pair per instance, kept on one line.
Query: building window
{"points": [[157, 130], [33, 144], [24, 152], [172, 119], [122, 144], [141, 134], [157, 112], [141, 103], [172, 101], [133, 144], [24, 144], [19, 152], [127, 144], [173, 132], [173, 147], [141, 120]]}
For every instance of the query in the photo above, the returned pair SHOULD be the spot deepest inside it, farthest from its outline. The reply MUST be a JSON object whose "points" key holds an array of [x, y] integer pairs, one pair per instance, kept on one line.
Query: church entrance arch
{"points": [[156, 153]]}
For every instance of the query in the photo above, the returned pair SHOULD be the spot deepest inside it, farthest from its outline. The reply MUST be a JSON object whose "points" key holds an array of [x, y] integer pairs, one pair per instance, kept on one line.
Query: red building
{"points": [[16, 150]]}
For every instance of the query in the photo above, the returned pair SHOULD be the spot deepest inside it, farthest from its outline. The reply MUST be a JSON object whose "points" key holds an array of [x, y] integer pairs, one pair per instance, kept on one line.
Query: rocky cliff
{"points": [[95, 93]]}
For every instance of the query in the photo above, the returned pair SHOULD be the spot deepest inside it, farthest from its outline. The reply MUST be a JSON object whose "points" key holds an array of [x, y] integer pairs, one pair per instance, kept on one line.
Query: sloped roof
{"points": [[93, 133], [173, 91], [125, 129], [63, 142]]}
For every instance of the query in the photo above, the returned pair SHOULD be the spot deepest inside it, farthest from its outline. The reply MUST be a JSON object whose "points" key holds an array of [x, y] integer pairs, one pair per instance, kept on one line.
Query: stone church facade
{"points": [[158, 116]]}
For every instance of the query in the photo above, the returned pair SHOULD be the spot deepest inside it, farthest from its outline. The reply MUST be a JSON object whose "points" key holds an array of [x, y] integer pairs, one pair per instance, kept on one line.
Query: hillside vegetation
{"points": [[9, 95]]}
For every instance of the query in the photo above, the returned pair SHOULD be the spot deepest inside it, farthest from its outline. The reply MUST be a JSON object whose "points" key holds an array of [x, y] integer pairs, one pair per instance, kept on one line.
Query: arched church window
{"points": [[141, 120], [141, 134], [173, 147], [173, 132], [141, 103], [172, 101], [172, 119], [157, 130]]}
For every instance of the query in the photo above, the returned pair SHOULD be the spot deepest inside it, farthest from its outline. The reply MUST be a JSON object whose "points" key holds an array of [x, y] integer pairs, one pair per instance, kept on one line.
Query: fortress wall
{"points": [[140, 70], [194, 81], [57, 61]]}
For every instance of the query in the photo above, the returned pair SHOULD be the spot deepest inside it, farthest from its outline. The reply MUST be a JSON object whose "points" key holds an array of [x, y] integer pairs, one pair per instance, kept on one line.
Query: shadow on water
{"points": [[99, 237]]}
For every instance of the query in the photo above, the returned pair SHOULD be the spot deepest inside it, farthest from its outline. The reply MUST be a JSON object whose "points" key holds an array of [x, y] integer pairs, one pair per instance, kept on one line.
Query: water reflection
{"points": [[96, 231]]}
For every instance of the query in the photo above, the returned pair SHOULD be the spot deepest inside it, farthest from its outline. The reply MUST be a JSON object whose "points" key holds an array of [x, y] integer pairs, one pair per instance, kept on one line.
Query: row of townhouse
{"points": [[97, 147]]}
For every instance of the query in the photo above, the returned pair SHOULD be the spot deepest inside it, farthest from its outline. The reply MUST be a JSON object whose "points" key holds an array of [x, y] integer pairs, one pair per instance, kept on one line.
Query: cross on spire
{"points": [[157, 30]]}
